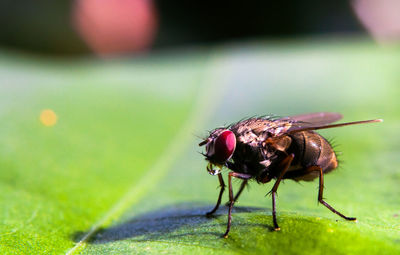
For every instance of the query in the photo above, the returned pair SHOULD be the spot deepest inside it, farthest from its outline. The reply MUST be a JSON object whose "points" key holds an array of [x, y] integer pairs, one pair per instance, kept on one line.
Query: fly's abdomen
{"points": [[311, 149], [327, 158]]}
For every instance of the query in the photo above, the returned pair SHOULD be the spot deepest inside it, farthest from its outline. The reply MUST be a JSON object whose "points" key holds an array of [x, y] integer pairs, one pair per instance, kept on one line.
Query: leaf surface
{"points": [[120, 171]]}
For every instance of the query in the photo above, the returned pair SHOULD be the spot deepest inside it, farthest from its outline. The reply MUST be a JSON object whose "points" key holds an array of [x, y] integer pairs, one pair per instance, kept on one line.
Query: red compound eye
{"points": [[224, 146]]}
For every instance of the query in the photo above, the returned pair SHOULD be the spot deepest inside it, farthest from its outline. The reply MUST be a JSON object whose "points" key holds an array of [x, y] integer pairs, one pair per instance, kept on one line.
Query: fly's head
{"points": [[220, 146]]}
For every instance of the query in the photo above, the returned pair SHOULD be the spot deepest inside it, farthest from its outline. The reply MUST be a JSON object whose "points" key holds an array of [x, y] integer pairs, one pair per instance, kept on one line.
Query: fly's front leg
{"points": [[231, 198], [232, 166], [285, 166], [222, 185], [242, 186]]}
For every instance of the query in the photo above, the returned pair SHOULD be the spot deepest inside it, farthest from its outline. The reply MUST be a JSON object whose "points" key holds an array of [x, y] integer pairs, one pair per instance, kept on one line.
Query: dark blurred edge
{"points": [[45, 27]]}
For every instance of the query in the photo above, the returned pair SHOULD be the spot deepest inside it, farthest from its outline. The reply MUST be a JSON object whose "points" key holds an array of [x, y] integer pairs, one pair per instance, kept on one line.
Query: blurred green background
{"points": [[102, 106]]}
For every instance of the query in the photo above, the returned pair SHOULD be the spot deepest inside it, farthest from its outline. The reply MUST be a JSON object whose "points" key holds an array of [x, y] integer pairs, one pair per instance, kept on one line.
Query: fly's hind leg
{"points": [[321, 190]]}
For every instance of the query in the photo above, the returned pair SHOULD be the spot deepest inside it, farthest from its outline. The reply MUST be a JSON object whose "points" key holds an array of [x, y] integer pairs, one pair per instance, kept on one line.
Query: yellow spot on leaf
{"points": [[48, 118], [330, 230]]}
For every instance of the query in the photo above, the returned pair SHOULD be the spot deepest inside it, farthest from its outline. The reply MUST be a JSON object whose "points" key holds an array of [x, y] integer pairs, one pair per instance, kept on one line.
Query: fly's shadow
{"points": [[163, 223]]}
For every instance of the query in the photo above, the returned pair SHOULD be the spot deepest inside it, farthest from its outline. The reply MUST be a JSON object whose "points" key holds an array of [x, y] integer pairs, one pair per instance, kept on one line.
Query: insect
{"points": [[264, 148]]}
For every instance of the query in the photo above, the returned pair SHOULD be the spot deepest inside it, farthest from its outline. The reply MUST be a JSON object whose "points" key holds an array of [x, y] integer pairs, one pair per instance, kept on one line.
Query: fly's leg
{"points": [[321, 191], [231, 198], [285, 166], [242, 186], [222, 185]]}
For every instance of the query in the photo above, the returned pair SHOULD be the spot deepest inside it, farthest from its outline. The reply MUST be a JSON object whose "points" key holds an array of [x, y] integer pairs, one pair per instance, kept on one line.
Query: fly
{"points": [[265, 149]]}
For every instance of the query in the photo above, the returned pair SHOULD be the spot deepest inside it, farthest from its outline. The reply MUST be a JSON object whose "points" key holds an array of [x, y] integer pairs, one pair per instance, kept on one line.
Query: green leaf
{"points": [[113, 121], [120, 172]]}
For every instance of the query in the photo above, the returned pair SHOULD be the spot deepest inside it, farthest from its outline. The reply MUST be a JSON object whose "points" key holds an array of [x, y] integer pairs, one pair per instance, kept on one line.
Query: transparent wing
{"points": [[312, 121], [274, 128], [317, 118]]}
